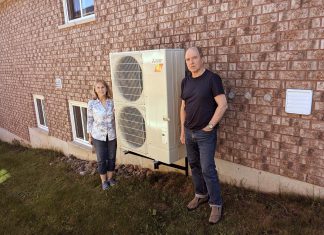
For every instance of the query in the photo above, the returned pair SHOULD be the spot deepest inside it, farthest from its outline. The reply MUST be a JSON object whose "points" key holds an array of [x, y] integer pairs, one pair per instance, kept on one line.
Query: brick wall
{"points": [[259, 47]]}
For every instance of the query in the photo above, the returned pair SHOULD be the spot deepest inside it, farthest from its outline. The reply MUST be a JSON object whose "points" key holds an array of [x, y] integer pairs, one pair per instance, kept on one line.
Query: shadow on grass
{"points": [[44, 198]]}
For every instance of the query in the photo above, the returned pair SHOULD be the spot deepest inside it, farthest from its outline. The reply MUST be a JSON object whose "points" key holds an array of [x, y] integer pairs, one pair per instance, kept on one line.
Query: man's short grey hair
{"points": [[198, 49]]}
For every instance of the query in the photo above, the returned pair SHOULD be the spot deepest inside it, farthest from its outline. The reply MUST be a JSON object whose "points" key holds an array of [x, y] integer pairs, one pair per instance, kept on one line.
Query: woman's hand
{"points": [[90, 140]]}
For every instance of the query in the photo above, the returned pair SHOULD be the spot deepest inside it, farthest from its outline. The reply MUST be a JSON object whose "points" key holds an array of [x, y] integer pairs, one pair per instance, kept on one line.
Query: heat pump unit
{"points": [[146, 87]]}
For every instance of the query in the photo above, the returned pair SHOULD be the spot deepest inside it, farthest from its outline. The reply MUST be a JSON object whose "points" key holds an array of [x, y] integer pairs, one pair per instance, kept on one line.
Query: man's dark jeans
{"points": [[201, 147]]}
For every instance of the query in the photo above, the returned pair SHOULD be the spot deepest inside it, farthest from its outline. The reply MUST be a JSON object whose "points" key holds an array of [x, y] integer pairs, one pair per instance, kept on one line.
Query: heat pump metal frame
{"points": [[158, 163]]}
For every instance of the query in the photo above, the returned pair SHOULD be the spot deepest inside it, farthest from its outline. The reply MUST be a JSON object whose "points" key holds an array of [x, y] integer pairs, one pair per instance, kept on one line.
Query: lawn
{"points": [[39, 195]]}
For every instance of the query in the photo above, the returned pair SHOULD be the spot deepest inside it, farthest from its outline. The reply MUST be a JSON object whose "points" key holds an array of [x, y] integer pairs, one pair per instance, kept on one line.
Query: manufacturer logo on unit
{"points": [[157, 61]]}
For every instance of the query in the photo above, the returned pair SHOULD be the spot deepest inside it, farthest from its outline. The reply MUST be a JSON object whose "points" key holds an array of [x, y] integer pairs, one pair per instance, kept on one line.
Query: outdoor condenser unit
{"points": [[146, 87]]}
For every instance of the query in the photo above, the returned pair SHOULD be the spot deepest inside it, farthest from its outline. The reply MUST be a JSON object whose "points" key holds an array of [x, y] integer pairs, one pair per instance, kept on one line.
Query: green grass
{"points": [[44, 198]]}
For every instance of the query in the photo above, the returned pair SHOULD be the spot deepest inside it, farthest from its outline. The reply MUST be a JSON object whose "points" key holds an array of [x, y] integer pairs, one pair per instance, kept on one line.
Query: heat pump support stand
{"points": [[158, 163]]}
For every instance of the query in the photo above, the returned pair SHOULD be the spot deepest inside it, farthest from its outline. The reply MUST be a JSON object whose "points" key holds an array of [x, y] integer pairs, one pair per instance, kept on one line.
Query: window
{"points": [[40, 112], [78, 113], [78, 9]]}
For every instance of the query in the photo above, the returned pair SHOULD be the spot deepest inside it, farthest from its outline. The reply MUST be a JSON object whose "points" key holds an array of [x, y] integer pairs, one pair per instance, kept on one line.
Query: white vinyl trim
{"points": [[39, 125], [75, 138], [78, 20]]}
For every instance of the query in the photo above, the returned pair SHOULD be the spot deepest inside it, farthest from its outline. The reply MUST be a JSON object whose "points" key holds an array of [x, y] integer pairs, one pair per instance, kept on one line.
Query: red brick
{"points": [[291, 148], [243, 40], [274, 7], [317, 125], [277, 66], [293, 14], [294, 35], [274, 46], [295, 122], [311, 134], [249, 83], [249, 30], [290, 139], [269, 84], [316, 33], [300, 24], [249, 48], [320, 86], [296, 4], [263, 56], [315, 55], [319, 144], [303, 65], [262, 118], [261, 109], [303, 45], [276, 146], [267, 18], [319, 106], [316, 11], [259, 2], [316, 23], [264, 75], [286, 130], [299, 85], [291, 55], [322, 43], [292, 75], [248, 66], [226, 50], [315, 180]]}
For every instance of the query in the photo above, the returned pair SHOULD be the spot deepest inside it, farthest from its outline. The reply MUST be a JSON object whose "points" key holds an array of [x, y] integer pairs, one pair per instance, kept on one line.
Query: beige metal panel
{"points": [[162, 77], [175, 60], [156, 105]]}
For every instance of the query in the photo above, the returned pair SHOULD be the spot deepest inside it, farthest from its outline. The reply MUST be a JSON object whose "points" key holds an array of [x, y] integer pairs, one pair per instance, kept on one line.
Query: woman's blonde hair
{"points": [[108, 94]]}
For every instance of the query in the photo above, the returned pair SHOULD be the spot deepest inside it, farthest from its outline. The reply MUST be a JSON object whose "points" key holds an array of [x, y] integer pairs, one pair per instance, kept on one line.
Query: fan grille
{"points": [[132, 126], [128, 75]]}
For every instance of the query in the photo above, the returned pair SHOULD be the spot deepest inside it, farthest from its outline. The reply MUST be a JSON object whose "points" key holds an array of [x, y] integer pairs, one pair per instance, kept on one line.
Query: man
{"points": [[202, 107]]}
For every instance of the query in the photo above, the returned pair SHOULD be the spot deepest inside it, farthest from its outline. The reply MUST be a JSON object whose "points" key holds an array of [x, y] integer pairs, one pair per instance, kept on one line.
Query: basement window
{"points": [[78, 10], [40, 112], [78, 114]]}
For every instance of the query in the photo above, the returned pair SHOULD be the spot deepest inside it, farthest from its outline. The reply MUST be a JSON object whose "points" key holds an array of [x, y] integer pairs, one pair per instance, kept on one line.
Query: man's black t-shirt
{"points": [[198, 94]]}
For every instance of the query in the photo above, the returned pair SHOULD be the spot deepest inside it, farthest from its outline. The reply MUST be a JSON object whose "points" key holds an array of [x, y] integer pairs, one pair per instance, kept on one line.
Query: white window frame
{"points": [[82, 19], [39, 125], [75, 138]]}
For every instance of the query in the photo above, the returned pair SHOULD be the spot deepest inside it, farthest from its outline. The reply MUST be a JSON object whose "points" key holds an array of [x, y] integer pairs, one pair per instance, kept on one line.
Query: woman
{"points": [[102, 131]]}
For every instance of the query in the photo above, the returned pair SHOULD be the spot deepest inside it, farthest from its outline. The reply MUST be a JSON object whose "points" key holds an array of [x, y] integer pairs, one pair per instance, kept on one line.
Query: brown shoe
{"points": [[215, 215], [196, 202]]}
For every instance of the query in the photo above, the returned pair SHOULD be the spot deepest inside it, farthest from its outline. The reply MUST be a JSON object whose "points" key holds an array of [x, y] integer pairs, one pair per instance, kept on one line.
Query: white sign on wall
{"points": [[58, 82], [299, 101]]}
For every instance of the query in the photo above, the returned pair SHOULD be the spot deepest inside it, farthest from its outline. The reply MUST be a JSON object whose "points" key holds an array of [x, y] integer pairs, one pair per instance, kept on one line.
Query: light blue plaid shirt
{"points": [[101, 120]]}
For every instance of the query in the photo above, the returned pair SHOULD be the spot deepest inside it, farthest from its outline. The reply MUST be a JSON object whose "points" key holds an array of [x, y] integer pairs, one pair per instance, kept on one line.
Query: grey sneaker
{"points": [[196, 202], [215, 214], [105, 185], [112, 182]]}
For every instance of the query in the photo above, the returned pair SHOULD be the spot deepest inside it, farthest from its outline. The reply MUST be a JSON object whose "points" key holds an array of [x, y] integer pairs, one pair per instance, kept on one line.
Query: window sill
{"points": [[78, 22], [81, 145], [41, 130]]}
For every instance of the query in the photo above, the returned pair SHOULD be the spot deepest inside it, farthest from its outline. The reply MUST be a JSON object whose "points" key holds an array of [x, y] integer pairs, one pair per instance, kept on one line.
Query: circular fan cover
{"points": [[132, 126], [128, 75]]}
